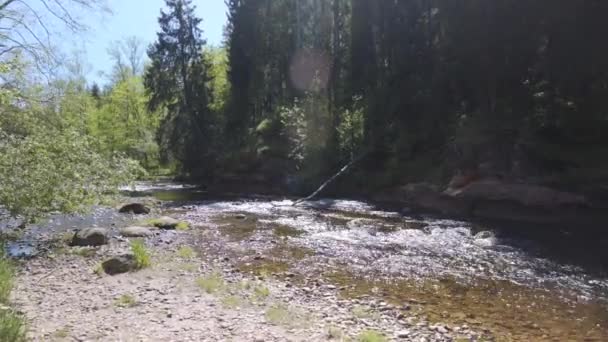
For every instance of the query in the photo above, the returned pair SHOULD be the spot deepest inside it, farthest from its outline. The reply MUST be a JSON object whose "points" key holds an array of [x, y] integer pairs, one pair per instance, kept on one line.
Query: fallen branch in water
{"points": [[333, 178]]}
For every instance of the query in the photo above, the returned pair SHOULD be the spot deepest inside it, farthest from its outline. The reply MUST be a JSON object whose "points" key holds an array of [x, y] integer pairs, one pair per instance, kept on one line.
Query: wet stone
{"points": [[90, 237]]}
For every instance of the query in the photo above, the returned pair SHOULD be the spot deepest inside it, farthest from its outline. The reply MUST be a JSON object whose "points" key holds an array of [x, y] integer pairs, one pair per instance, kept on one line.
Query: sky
{"points": [[136, 18]]}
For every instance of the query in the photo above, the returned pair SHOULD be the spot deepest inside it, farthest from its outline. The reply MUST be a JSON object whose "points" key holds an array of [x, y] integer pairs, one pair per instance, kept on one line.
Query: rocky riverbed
{"points": [[260, 269], [184, 297]]}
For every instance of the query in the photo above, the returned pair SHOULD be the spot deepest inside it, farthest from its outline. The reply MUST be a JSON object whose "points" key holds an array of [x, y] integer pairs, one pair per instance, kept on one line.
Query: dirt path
{"points": [[184, 298]]}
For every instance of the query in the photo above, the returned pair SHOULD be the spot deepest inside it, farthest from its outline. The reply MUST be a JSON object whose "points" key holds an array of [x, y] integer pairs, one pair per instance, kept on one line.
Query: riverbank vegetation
{"points": [[424, 89]]}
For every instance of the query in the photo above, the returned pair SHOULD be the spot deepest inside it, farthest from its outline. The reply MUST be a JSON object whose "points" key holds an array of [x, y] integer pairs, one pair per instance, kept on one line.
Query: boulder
{"points": [[134, 208], [120, 264], [136, 232], [525, 194], [165, 222], [90, 237]]}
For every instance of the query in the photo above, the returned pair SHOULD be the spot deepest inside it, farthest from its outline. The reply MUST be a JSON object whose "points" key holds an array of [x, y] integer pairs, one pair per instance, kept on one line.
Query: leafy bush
{"points": [[57, 171]]}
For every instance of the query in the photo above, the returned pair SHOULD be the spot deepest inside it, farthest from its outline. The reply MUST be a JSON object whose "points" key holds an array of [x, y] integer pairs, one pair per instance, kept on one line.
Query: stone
{"points": [[402, 334], [525, 194], [136, 232], [165, 222], [90, 237], [134, 208], [120, 264]]}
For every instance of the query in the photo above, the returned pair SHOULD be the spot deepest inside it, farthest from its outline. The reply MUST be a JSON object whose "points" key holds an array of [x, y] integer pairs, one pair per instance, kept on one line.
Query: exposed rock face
{"points": [[525, 194], [119, 264], [134, 208], [498, 200], [136, 232], [90, 237]]}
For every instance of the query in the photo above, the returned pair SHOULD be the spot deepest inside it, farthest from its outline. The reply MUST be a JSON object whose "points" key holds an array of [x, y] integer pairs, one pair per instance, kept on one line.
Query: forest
{"points": [[430, 125], [422, 90]]}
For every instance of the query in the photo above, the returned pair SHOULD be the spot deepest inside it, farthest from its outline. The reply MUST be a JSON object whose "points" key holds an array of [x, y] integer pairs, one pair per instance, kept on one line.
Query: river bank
{"points": [[339, 266]]}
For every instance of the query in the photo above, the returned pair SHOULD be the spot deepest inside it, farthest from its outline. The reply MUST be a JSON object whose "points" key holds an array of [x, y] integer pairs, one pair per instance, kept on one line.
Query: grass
{"points": [[232, 302], [186, 252], [371, 336], [142, 257], [261, 292], [280, 314], [7, 273], [99, 270], [12, 325], [126, 301], [182, 226], [212, 283], [155, 222]]}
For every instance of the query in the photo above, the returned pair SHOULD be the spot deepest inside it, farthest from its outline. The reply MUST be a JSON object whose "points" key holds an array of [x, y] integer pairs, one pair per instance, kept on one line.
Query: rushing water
{"points": [[520, 282]]}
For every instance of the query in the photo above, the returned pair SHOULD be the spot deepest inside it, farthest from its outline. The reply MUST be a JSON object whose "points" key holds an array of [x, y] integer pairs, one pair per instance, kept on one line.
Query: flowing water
{"points": [[519, 283]]}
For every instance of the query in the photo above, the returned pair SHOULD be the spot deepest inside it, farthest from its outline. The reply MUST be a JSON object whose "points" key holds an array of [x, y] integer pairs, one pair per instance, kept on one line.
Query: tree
{"points": [[25, 27], [127, 55], [178, 81]]}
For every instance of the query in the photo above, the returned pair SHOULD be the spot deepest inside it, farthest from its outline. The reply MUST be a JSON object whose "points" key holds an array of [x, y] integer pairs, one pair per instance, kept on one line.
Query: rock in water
{"points": [[119, 264], [165, 222], [90, 237], [134, 208], [136, 232]]}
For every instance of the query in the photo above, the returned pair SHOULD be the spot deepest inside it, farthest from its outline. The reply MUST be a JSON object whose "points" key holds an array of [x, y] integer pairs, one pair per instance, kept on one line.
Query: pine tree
{"points": [[177, 80]]}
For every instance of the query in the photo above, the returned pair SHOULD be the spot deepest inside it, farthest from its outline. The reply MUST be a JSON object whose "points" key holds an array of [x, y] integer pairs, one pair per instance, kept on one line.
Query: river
{"points": [[519, 283]]}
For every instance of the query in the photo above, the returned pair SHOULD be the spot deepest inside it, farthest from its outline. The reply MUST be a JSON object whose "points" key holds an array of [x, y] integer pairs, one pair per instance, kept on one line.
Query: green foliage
{"points": [[12, 325], [178, 82], [232, 302], [182, 226], [351, 128], [217, 60], [57, 171], [186, 252], [126, 301], [261, 292], [123, 123], [142, 256], [7, 274], [49, 161]]}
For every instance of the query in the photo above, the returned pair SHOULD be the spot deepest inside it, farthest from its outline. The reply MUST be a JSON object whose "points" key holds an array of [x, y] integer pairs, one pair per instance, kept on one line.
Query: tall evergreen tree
{"points": [[177, 80]]}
